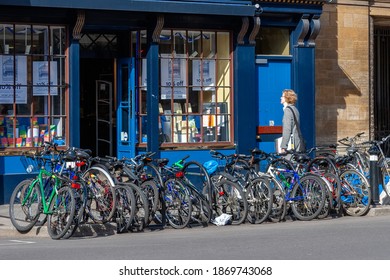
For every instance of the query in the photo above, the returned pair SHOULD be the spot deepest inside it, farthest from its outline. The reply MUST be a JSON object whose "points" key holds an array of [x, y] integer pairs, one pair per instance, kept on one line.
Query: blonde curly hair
{"points": [[290, 96]]}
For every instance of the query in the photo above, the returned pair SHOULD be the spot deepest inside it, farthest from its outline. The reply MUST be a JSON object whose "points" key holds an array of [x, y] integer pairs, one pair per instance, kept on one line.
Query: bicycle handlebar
{"points": [[351, 140], [377, 142]]}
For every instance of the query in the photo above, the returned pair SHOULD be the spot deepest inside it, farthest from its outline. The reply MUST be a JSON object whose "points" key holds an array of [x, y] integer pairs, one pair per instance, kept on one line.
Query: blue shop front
{"points": [[174, 77]]}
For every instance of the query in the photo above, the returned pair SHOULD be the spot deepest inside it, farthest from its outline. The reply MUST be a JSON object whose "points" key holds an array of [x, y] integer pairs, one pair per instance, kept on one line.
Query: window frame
{"points": [[45, 106], [193, 136]]}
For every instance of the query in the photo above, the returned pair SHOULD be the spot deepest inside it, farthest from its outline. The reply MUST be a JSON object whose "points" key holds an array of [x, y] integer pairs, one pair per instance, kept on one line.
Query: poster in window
{"points": [[203, 74], [144, 80], [173, 76], [41, 78], [13, 67]]}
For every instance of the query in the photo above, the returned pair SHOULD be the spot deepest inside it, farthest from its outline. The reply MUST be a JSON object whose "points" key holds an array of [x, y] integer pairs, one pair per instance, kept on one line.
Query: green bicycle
{"points": [[49, 193]]}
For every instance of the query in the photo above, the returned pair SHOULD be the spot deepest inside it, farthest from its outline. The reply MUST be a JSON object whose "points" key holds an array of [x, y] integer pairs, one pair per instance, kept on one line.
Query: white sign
{"points": [[203, 74], [144, 80], [9, 68], [41, 78], [173, 74]]}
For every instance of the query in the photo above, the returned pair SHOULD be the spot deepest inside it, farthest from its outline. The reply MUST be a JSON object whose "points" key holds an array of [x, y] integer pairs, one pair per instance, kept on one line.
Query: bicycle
{"points": [[383, 163], [226, 196], [256, 185], [48, 193], [304, 193]]}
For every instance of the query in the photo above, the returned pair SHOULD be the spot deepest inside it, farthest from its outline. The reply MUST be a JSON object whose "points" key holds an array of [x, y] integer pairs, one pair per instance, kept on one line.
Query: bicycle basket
{"points": [[30, 163], [210, 166]]}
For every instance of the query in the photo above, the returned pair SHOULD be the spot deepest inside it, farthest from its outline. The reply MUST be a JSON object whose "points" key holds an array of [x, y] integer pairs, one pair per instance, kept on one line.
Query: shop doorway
{"points": [[95, 72]]}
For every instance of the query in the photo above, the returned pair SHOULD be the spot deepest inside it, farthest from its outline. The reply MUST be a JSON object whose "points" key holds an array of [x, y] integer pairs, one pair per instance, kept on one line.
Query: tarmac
{"points": [[8, 230]]}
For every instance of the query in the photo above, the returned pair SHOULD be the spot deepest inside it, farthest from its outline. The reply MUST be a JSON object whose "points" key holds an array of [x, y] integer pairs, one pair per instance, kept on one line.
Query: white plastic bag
{"points": [[222, 219]]}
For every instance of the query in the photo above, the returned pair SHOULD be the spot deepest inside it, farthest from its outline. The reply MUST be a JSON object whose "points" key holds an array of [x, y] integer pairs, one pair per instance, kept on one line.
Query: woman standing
{"points": [[291, 122]]}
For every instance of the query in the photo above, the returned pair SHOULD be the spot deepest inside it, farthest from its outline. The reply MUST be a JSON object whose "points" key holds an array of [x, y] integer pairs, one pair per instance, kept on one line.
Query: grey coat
{"points": [[290, 128]]}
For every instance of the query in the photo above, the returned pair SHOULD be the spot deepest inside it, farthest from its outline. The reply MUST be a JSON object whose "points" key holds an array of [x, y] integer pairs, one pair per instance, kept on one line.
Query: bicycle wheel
{"points": [[62, 210], [259, 198], [201, 210], [125, 207], [80, 196], [230, 199], [322, 165], [159, 217], [151, 193], [385, 180], [141, 211], [178, 204], [102, 198], [308, 197], [197, 177], [25, 205], [328, 205], [332, 201], [279, 205], [355, 193]]}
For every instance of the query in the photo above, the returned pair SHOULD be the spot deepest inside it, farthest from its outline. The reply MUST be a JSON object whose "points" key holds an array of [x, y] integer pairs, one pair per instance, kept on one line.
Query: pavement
{"points": [[8, 230]]}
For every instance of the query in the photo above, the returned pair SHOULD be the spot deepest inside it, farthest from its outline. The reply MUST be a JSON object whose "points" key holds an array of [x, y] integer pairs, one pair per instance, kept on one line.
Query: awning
{"points": [[205, 7]]}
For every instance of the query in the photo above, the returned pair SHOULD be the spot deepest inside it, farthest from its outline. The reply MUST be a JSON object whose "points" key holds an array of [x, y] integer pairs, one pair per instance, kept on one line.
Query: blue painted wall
{"points": [[74, 93], [13, 167], [245, 98], [304, 85]]}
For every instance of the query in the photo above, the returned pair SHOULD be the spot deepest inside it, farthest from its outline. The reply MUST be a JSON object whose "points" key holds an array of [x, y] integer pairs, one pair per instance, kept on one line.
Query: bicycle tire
{"points": [[308, 197], [230, 199], [62, 210], [125, 207], [159, 217], [197, 177], [178, 204], [151, 192], [279, 205], [102, 198], [328, 205], [355, 193], [24, 217], [334, 201], [141, 210], [322, 165], [385, 174], [80, 196], [201, 210], [259, 197]]}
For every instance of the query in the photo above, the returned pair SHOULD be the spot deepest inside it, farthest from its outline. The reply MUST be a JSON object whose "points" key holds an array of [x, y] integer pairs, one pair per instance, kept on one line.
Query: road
{"points": [[346, 238]]}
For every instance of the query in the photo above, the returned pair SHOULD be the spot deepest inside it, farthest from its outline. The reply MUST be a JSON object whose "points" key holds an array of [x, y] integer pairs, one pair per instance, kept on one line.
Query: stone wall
{"points": [[342, 71]]}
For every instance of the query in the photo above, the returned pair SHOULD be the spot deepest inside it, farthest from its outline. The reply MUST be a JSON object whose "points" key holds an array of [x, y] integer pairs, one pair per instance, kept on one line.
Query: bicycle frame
{"points": [[288, 186], [45, 201]]}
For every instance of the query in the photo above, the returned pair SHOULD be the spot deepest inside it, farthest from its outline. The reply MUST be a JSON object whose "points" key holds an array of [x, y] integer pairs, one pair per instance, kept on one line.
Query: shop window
{"points": [[273, 41], [32, 85], [195, 94]]}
